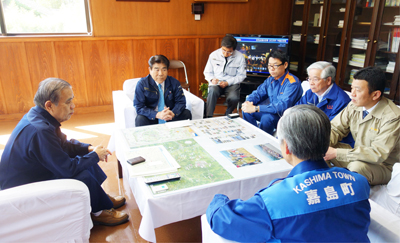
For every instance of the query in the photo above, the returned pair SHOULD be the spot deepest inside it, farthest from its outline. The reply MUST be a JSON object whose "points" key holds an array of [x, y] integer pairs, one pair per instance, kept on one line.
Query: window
{"points": [[44, 17]]}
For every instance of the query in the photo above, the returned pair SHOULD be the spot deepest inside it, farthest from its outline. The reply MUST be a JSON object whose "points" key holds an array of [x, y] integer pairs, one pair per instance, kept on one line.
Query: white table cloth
{"points": [[170, 207]]}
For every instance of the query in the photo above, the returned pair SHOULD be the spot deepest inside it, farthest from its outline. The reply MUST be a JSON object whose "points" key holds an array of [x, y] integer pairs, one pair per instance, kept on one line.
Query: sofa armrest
{"points": [[384, 225], [120, 103], [47, 211], [195, 105], [208, 235]]}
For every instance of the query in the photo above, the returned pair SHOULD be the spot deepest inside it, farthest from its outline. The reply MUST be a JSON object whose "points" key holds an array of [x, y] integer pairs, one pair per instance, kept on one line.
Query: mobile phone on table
{"points": [[136, 160]]}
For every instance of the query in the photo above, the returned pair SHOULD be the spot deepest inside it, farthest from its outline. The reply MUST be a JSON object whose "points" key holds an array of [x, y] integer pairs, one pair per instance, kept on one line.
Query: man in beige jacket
{"points": [[374, 122]]}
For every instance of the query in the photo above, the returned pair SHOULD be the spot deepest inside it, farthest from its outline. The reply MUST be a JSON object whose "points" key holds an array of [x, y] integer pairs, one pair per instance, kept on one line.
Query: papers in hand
{"points": [[158, 161], [219, 81]]}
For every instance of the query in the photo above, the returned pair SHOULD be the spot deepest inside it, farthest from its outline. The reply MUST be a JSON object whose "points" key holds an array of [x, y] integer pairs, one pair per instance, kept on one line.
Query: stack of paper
{"points": [[316, 39], [341, 22], [359, 43], [158, 161], [296, 37], [390, 67], [298, 23], [396, 20], [357, 60], [294, 66]]}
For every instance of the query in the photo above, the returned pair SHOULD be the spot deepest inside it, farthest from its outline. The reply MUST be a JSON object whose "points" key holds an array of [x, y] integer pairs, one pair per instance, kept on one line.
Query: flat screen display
{"points": [[256, 48]]}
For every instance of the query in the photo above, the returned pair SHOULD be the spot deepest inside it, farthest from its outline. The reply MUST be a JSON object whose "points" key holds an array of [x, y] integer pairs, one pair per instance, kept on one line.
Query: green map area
{"points": [[197, 166], [154, 134]]}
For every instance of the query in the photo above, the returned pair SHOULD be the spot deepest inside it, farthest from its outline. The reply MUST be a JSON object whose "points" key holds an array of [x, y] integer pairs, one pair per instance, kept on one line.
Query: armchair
{"points": [[47, 211]]}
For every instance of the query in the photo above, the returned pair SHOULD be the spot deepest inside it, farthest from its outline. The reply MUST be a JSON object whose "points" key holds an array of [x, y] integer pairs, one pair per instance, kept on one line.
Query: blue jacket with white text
{"points": [[314, 203]]}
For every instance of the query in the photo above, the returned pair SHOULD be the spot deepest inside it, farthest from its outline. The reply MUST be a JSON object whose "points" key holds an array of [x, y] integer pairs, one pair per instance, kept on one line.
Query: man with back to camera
{"points": [[224, 71], [374, 122], [158, 97], [314, 203], [37, 150], [278, 92], [324, 93]]}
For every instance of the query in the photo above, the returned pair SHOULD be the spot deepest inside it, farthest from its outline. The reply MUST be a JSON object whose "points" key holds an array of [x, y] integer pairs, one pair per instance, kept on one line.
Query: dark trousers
{"points": [[144, 121], [93, 177], [232, 94], [268, 121]]}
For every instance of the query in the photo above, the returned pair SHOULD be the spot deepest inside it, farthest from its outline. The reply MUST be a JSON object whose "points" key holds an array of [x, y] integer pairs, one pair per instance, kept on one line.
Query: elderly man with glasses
{"points": [[278, 92], [324, 93], [224, 71]]}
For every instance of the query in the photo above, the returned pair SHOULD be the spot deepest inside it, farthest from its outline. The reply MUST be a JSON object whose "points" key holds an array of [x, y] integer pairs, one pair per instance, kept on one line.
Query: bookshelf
{"points": [[306, 35], [349, 34]]}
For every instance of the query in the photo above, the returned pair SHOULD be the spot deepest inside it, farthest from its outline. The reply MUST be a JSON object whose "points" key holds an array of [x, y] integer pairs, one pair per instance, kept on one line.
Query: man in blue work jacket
{"points": [[37, 150], [278, 92], [158, 97], [314, 203], [324, 93]]}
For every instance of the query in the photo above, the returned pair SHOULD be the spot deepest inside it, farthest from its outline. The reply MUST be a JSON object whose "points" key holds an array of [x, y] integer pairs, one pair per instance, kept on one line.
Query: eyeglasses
{"points": [[275, 66], [227, 52], [314, 80]]}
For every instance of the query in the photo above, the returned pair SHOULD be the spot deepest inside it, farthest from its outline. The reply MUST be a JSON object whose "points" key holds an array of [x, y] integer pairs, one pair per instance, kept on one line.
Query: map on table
{"points": [[223, 130], [241, 157], [269, 151], [150, 135], [198, 167]]}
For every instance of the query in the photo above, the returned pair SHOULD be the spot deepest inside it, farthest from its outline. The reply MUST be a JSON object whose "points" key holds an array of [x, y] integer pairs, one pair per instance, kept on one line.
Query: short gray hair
{"points": [[328, 70], [50, 89], [306, 130]]}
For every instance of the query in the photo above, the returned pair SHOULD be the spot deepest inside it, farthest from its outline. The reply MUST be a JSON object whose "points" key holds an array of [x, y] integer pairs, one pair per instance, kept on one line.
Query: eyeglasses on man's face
{"points": [[227, 52], [314, 79], [274, 66]]}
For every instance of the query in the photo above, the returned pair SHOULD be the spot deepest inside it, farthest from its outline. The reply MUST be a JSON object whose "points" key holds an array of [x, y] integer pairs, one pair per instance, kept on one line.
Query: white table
{"points": [[170, 207]]}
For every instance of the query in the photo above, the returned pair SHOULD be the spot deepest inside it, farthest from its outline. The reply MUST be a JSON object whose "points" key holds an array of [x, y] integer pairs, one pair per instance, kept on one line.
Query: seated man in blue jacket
{"points": [[278, 92], [314, 203], [37, 150], [158, 97], [324, 93]]}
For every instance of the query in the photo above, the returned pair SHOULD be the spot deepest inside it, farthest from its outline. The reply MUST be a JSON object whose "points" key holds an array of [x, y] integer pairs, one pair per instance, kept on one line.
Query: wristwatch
{"points": [[257, 109]]}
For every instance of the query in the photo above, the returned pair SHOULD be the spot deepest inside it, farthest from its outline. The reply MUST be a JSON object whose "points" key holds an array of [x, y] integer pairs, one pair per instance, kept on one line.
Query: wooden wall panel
{"points": [[17, 96], [121, 62], [70, 67], [142, 51], [95, 60], [42, 62], [206, 46], [187, 54], [93, 66], [168, 48], [174, 18]]}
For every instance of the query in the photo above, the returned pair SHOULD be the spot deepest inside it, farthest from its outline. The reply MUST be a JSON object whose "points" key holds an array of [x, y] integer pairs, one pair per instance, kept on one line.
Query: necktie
{"points": [[365, 113], [160, 102]]}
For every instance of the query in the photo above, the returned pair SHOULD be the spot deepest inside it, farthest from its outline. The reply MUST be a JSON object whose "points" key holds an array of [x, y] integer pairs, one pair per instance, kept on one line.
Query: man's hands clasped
{"points": [[248, 107], [165, 115]]}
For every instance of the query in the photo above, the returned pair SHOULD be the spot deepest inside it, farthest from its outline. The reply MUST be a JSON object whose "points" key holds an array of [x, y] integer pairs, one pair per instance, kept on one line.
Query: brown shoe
{"points": [[110, 218], [117, 201]]}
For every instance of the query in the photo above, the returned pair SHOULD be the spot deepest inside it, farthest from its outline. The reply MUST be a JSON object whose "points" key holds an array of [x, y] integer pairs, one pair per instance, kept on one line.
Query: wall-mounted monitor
{"points": [[255, 49]]}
